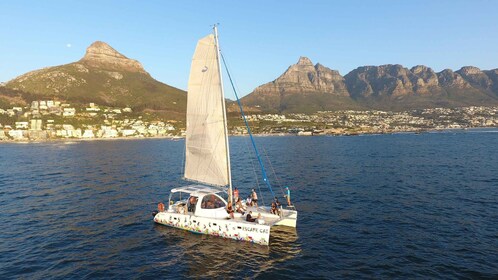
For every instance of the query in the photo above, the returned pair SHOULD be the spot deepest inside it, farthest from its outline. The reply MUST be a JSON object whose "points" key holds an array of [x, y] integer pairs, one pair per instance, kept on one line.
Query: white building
{"points": [[17, 134], [128, 132], [69, 112], [35, 105], [88, 134], [43, 105], [35, 124], [92, 108], [110, 133], [22, 125]]}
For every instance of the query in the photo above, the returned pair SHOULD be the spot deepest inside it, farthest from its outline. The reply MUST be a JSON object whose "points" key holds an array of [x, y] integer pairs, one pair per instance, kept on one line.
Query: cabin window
{"points": [[212, 201]]}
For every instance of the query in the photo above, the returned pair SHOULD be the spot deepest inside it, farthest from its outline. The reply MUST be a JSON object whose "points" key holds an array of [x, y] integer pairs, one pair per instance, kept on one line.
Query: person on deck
{"points": [[278, 204], [230, 209], [248, 201], [288, 196], [254, 197], [249, 217], [236, 194], [239, 207], [192, 201], [274, 209]]}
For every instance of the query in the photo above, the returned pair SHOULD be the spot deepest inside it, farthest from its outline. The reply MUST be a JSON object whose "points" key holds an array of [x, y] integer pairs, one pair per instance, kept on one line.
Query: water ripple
{"points": [[386, 206]]}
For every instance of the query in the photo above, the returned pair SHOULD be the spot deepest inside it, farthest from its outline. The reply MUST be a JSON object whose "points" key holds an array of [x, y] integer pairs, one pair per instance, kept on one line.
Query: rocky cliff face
{"points": [[304, 78], [380, 81], [379, 86], [303, 87], [101, 55]]}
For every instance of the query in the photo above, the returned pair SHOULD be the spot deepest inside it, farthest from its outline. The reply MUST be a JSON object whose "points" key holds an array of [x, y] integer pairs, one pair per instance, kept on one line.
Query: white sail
{"points": [[206, 151]]}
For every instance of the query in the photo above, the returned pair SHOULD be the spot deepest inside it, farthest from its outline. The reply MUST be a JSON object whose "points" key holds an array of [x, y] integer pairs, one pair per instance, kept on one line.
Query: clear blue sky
{"points": [[260, 39]]}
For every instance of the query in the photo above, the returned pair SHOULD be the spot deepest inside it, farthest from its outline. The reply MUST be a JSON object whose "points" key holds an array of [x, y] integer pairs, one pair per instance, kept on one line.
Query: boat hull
{"points": [[226, 228]]}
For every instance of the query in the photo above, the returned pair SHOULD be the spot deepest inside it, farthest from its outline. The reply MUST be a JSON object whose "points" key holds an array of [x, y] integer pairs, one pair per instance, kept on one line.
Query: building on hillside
{"points": [[22, 125], [92, 108], [43, 105], [35, 105], [69, 112], [35, 124]]}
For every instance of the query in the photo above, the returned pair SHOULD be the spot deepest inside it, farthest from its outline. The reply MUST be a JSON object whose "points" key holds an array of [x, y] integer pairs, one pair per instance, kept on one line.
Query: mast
{"points": [[230, 194]]}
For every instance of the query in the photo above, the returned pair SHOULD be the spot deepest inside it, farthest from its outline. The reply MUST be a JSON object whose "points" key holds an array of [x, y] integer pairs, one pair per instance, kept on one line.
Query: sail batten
{"points": [[206, 150]]}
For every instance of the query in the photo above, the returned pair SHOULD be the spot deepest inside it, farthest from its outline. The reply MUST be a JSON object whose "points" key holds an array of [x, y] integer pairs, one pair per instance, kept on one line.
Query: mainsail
{"points": [[206, 157]]}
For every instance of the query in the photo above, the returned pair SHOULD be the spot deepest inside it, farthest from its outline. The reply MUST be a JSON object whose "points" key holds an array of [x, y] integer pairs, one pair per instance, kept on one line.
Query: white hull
{"points": [[238, 228]]}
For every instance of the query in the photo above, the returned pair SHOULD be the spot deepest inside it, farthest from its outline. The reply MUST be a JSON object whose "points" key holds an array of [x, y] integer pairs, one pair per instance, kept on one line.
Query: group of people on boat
{"points": [[252, 200], [213, 202]]}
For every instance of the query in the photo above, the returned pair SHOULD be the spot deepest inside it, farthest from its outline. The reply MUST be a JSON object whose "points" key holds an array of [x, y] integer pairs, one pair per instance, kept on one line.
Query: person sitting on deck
{"points": [[192, 201], [278, 204], [248, 201], [239, 207], [230, 209], [236, 193], [249, 217], [274, 209]]}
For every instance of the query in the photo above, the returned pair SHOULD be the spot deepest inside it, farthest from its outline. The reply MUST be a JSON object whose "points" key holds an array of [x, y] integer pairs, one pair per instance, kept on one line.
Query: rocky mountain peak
{"points": [[476, 77], [99, 48], [101, 55], [304, 61], [469, 70]]}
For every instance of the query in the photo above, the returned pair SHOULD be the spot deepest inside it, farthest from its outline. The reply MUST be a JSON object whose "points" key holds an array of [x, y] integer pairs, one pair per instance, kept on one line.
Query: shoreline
{"points": [[177, 138]]}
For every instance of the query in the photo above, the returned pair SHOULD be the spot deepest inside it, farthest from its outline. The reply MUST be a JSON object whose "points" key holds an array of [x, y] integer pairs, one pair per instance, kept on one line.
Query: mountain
{"points": [[305, 87], [106, 77]]}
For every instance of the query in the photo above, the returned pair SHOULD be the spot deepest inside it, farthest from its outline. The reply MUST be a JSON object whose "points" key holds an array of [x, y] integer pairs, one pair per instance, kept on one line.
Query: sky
{"points": [[259, 39]]}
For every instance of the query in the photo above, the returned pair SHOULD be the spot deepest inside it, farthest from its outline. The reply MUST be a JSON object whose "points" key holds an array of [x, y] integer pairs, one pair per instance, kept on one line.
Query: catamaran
{"points": [[201, 207]]}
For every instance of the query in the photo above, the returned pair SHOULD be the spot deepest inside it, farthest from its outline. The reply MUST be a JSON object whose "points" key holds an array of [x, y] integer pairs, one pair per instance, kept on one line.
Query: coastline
{"points": [[177, 138]]}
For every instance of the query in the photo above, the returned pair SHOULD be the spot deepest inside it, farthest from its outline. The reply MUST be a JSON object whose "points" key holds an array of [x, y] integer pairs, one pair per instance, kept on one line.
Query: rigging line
{"points": [[274, 174], [265, 178], [255, 173]]}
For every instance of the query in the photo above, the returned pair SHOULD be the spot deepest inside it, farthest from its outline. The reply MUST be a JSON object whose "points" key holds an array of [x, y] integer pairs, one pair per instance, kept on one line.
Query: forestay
{"points": [[206, 150]]}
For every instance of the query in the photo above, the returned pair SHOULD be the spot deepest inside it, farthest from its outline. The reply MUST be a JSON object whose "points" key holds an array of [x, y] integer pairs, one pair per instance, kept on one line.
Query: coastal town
{"points": [[51, 119], [350, 122]]}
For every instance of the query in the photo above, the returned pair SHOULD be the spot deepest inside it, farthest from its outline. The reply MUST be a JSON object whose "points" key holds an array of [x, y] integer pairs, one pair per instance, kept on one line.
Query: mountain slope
{"points": [[106, 77]]}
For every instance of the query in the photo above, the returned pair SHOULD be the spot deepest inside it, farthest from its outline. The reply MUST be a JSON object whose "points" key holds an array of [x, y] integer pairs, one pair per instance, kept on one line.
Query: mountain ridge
{"points": [[389, 86]]}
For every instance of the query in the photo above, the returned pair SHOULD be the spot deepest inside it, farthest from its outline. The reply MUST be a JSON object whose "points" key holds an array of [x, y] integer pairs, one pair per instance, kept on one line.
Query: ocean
{"points": [[372, 206]]}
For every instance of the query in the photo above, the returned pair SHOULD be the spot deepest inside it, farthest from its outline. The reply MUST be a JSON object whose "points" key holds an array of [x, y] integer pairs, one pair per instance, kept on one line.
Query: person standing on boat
{"points": [[254, 197], [288, 196]]}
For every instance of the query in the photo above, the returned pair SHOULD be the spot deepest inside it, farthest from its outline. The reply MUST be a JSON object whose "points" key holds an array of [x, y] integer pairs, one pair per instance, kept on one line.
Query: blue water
{"points": [[379, 206]]}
